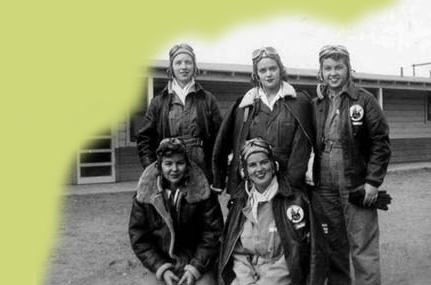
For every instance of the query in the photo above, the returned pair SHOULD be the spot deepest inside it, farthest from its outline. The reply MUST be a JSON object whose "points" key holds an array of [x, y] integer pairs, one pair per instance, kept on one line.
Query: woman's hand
{"points": [[170, 278], [371, 193], [187, 279]]}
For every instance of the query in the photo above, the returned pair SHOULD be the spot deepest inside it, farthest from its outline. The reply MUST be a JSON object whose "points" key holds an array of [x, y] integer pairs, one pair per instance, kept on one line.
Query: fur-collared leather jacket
{"points": [[191, 240], [235, 129], [364, 135], [303, 246], [155, 125]]}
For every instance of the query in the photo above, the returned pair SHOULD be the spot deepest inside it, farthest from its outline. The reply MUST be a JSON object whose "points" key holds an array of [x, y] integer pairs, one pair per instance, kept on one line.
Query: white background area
{"points": [[381, 41]]}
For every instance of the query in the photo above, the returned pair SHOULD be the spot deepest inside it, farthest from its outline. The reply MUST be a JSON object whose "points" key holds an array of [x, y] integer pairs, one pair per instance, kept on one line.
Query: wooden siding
{"points": [[127, 167], [405, 111], [411, 150]]}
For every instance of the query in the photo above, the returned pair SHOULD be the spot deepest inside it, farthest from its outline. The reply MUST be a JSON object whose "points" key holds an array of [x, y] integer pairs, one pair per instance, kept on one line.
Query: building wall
{"points": [[128, 167], [406, 113], [410, 130]]}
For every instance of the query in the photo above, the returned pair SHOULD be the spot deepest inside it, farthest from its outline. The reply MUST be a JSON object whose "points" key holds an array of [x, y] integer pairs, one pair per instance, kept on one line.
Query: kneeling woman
{"points": [[176, 221], [269, 236]]}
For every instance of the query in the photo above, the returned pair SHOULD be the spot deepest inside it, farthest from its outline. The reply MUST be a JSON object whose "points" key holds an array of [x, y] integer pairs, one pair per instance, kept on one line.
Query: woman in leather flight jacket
{"points": [[183, 109], [176, 220], [270, 235], [352, 154], [273, 110]]}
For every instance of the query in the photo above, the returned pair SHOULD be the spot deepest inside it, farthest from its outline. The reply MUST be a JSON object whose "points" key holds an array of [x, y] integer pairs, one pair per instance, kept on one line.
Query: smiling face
{"points": [[183, 68], [268, 72], [335, 73], [260, 170], [173, 169]]}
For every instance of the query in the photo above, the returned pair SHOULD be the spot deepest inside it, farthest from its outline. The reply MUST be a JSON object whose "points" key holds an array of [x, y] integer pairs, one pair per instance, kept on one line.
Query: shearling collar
{"points": [[149, 186], [253, 94]]}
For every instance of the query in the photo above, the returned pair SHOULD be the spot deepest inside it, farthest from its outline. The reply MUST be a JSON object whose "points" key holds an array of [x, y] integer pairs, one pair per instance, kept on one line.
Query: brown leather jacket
{"points": [[303, 247], [364, 136], [155, 126], [192, 238]]}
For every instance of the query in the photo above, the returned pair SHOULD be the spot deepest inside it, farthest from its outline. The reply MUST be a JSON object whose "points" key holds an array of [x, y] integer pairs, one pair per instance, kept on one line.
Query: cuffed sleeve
{"points": [[222, 148], [379, 144], [141, 236], [162, 269], [196, 274]]}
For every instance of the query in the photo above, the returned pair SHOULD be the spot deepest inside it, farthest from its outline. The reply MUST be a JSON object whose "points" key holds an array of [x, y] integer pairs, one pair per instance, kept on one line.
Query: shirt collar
{"points": [[174, 87]]}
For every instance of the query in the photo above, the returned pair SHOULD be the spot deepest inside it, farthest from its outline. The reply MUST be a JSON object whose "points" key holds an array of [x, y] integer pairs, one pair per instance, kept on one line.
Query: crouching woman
{"points": [[176, 221], [269, 237]]}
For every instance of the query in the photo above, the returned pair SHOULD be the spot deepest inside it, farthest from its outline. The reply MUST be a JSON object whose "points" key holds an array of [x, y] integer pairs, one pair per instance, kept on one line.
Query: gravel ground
{"points": [[93, 245]]}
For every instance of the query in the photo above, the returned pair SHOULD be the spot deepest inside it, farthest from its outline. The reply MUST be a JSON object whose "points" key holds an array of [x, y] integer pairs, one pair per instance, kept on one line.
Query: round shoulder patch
{"points": [[295, 214], [356, 112]]}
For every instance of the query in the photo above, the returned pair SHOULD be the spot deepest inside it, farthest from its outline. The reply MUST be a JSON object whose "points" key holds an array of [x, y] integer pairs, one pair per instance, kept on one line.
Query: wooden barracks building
{"points": [[406, 101]]}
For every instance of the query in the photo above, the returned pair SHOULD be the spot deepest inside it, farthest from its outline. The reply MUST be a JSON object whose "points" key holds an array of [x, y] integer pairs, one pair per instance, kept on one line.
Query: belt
{"points": [[189, 141], [329, 145]]}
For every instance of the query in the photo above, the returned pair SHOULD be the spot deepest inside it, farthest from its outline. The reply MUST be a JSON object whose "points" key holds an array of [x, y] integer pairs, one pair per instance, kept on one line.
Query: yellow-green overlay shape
{"points": [[70, 69]]}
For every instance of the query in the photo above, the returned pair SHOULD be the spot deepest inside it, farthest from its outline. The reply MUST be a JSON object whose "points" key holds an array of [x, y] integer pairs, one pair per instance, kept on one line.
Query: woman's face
{"points": [[260, 170], [183, 68], [174, 169], [269, 74], [335, 73]]}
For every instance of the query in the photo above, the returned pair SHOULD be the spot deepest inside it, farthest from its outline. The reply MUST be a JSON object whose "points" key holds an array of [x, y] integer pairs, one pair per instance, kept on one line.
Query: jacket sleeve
{"points": [[140, 234], [299, 157], [148, 137], [379, 144], [222, 148], [215, 117], [214, 120], [302, 142], [208, 248]]}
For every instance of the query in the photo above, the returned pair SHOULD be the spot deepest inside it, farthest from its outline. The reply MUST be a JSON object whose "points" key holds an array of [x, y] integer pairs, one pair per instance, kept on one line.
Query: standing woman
{"points": [[176, 221], [270, 236], [352, 154], [183, 109], [273, 110]]}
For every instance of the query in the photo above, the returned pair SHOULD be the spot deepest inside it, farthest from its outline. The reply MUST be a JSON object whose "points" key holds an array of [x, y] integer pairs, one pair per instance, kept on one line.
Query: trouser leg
{"points": [[336, 237], [363, 232]]}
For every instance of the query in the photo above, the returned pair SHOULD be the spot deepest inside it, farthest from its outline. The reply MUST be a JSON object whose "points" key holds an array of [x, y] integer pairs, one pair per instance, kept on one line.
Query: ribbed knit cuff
{"points": [[216, 190], [193, 271], [162, 269]]}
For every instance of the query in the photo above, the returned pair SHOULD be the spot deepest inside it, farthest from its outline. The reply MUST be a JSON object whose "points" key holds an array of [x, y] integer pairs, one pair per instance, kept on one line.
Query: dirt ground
{"points": [[93, 245]]}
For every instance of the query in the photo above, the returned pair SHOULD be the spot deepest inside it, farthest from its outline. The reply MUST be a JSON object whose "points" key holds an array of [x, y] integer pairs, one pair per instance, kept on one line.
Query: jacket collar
{"points": [[253, 94], [350, 90], [149, 186]]}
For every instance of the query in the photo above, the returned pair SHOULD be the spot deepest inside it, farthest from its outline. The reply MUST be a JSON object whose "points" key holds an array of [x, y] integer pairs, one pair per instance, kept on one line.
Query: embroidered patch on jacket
{"points": [[295, 214], [356, 114]]}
